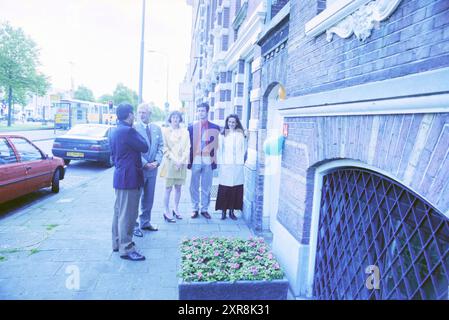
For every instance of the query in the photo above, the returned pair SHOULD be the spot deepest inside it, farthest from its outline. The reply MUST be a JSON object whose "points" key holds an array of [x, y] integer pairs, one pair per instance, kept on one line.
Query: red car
{"points": [[24, 168]]}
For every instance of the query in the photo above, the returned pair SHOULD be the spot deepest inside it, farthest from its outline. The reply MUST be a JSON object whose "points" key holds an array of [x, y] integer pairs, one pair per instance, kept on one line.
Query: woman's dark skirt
{"points": [[229, 197]]}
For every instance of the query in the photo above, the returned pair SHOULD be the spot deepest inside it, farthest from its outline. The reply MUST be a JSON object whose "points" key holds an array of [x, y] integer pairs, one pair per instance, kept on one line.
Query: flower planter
{"points": [[237, 290], [229, 269]]}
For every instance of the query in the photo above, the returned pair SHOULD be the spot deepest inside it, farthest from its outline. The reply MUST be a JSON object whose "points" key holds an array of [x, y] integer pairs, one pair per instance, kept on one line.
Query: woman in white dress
{"points": [[231, 159]]}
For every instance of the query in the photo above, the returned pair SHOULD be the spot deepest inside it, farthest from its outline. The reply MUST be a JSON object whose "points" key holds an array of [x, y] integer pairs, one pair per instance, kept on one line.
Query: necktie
{"points": [[149, 134]]}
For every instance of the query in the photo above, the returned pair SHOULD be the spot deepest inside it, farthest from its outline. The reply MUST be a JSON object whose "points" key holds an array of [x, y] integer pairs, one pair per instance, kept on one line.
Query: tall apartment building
{"points": [[224, 34]]}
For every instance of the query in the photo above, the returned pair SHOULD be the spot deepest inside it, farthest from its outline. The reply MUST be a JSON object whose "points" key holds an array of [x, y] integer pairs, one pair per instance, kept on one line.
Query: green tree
{"points": [[105, 98], [124, 94], [19, 59], [84, 93], [157, 114]]}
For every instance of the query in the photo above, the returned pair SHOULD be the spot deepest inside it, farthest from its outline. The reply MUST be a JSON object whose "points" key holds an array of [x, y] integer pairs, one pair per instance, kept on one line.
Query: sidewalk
{"points": [[46, 244]]}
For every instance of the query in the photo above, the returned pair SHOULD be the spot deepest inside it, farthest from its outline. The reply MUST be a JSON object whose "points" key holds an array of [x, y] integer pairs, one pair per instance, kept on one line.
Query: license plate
{"points": [[75, 154]]}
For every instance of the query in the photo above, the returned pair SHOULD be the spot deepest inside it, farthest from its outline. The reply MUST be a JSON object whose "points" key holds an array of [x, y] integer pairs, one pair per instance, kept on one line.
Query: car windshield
{"points": [[88, 130]]}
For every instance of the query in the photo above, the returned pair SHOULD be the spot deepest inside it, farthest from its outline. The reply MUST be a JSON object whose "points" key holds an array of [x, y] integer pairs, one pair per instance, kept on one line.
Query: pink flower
{"points": [[200, 275], [270, 256], [262, 249], [216, 253], [276, 266], [258, 257]]}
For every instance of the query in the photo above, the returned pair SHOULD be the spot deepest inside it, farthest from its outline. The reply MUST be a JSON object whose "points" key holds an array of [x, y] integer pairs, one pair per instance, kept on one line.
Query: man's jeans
{"points": [[202, 175]]}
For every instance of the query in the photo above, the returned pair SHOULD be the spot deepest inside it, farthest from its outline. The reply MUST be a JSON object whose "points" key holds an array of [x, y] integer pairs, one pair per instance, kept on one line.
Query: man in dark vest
{"points": [[203, 152]]}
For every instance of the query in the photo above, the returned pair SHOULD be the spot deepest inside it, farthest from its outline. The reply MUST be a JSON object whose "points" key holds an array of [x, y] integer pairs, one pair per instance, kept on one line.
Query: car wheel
{"points": [[66, 161], [55, 182], [109, 163]]}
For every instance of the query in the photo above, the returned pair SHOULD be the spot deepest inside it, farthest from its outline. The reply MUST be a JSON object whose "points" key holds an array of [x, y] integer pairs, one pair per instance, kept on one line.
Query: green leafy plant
{"points": [[227, 259], [2, 258]]}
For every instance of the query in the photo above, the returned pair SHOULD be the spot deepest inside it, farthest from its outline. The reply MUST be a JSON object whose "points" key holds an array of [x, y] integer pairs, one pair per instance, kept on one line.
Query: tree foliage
{"points": [[157, 114], [105, 98], [19, 59], [124, 94], [84, 93]]}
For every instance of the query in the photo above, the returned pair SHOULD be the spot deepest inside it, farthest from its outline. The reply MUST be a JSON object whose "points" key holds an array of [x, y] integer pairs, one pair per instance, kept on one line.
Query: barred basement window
{"points": [[369, 220]]}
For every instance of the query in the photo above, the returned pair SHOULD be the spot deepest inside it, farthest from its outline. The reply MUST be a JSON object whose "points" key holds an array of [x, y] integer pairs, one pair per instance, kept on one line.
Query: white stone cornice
{"points": [[426, 92], [347, 17]]}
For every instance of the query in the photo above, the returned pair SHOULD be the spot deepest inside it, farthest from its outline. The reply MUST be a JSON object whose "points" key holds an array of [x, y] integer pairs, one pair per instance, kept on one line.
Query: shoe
{"points": [[149, 228], [178, 216], [168, 219], [133, 256], [232, 215], [115, 250], [194, 215], [138, 233], [205, 214], [223, 214]]}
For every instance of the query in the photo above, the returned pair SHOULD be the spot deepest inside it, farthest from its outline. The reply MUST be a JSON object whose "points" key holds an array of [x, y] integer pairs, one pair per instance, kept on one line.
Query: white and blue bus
{"points": [[70, 112]]}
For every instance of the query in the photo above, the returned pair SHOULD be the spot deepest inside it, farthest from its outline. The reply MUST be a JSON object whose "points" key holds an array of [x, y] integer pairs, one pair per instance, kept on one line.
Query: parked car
{"points": [[24, 168], [84, 142]]}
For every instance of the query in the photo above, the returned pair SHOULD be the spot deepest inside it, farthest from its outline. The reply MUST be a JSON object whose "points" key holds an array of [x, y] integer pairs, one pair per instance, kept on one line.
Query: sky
{"points": [[97, 42]]}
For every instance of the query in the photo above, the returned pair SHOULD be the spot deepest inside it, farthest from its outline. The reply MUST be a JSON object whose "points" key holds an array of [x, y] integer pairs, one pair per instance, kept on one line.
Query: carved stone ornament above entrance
{"points": [[362, 21], [347, 17]]}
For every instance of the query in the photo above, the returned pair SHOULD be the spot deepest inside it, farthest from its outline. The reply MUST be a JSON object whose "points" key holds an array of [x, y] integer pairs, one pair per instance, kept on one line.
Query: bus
{"points": [[70, 112]]}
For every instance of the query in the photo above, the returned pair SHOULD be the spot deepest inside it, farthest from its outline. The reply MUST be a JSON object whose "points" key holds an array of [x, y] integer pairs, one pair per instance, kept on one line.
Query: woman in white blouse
{"points": [[231, 160]]}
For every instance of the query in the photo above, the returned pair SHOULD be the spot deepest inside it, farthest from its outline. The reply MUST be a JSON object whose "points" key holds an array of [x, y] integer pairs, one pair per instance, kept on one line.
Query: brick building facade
{"points": [[360, 89], [369, 92]]}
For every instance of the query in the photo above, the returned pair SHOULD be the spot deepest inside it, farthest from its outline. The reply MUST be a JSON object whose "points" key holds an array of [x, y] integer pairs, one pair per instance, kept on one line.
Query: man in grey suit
{"points": [[150, 162]]}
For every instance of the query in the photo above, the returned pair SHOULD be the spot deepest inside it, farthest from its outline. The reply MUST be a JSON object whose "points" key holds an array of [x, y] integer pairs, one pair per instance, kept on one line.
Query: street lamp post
{"points": [[167, 71], [142, 46]]}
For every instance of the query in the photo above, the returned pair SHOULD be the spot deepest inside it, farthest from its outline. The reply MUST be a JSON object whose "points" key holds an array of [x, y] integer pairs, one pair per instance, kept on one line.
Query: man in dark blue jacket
{"points": [[126, 148]]}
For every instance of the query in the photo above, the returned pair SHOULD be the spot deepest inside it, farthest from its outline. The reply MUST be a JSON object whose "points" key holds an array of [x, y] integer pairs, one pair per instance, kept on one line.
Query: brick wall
{"points": [[389, 142], [414, 39]]}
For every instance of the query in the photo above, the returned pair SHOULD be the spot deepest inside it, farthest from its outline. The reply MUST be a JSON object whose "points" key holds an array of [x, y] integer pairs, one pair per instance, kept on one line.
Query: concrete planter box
{"points": [[238, 290]]}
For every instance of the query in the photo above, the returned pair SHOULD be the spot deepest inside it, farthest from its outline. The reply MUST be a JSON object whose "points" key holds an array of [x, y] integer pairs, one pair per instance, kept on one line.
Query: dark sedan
{"points": [[84, 142]]}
